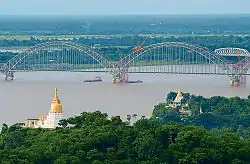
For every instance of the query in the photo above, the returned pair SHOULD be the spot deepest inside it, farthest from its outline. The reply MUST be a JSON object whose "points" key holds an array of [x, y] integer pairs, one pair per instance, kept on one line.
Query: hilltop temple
{"points": [[177, 103], [51, 120]]}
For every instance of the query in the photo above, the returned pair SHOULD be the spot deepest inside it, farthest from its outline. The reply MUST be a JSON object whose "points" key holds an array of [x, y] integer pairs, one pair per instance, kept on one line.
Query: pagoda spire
{"points": [[179, 94], [201, 110], [56, 94], [56, 106]]}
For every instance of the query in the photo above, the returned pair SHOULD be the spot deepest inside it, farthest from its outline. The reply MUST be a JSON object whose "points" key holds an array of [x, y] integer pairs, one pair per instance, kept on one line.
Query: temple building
{"points": [[177, 103], [201, 110], [52, 119]]}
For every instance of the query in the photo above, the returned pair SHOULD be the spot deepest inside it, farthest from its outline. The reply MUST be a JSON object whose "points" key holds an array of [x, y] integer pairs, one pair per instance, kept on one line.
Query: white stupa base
{"points": [[52, 120]]}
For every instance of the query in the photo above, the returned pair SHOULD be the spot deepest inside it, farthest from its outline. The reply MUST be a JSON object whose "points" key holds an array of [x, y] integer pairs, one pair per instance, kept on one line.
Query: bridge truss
{"points": [[239, 68], [182, 58], [57, 56], [175, 58], [169, 57]]}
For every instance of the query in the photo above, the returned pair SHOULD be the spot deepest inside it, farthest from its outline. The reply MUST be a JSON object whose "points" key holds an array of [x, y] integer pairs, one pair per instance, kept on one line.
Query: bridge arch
{"points": [[241, 67], [58, 56], [168, 52], [232, 52]]}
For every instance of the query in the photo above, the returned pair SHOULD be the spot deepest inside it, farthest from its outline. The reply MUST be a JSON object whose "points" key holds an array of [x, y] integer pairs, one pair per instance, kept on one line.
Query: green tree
{"points": [[63, 123], [4, 128]]}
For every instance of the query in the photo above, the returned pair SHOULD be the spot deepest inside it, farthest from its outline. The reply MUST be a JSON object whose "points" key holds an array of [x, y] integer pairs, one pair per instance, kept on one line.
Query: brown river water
{"points": [[31, 93]]}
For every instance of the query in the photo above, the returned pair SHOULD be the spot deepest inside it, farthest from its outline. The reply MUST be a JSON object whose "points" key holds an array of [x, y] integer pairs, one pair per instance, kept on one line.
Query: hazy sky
{"points": [[110, 7]]}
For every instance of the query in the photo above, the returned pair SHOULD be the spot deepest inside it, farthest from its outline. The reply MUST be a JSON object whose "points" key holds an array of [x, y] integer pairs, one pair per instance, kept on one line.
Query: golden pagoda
{"points": [[56, 105], [51, 120], [179, 94], [177, 101], [201, 110], [178, 97]]}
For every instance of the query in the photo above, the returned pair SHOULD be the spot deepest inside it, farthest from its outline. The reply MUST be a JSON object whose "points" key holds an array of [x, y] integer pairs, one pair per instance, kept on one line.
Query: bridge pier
{"points": [[235, 81], [121, 77], [9, 75], [116, 80]]}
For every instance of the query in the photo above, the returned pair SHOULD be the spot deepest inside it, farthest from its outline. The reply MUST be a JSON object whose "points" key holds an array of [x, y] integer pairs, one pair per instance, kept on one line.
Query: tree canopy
{"points": [[95, 138], [218, 113]]}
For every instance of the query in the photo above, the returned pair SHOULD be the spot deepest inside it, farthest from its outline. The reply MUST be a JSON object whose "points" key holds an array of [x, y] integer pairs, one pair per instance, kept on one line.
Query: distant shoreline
{"points": [[129, 15], [71, 37]]}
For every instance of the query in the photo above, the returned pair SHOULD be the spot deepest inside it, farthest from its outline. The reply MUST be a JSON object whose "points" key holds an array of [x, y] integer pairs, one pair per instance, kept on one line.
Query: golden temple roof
{"points": [[179, 94], [41, 117], [56, 105]]}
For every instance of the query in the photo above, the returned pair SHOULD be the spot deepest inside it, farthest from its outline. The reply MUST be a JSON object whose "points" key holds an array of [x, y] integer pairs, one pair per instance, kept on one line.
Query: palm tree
{"points": [[134, 116], [128, 118]]}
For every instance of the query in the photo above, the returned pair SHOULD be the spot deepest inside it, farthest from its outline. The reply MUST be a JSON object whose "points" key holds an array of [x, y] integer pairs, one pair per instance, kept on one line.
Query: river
{"points": [[31, 93]]}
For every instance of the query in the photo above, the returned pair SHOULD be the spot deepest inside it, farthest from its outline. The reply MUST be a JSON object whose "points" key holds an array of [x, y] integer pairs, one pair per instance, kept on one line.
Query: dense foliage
{"points": [[219, 113], [95, 139]]}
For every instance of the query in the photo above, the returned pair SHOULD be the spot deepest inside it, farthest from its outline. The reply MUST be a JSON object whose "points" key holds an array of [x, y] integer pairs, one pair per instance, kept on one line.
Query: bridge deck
{"points": [[135, 72]]}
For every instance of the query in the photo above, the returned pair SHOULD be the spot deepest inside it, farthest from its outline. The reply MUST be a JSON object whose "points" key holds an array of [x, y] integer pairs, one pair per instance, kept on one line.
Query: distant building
{"points": [[177, 101], [51, 120], [178, 104]]}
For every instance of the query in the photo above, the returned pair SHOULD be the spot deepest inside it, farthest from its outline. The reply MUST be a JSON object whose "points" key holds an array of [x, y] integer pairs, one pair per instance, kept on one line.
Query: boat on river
{"points": [[137, 81], [97, 79]]}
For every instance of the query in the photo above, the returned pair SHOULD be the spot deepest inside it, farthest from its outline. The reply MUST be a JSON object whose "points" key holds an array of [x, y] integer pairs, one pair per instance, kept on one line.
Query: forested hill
{"points": [[218, 113], [98, 140]]}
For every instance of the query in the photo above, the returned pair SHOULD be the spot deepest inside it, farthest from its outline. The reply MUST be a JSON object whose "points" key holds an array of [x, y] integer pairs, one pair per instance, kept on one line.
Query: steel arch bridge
{"points": [[183, 58], [169, 57], [239, 69], [57, 56]]}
